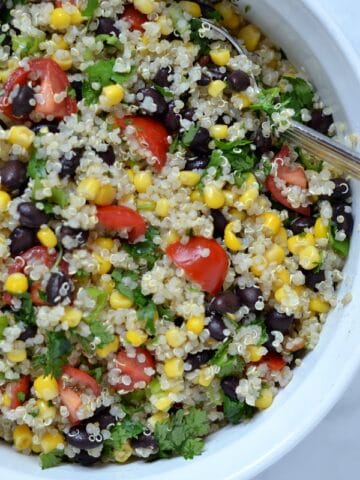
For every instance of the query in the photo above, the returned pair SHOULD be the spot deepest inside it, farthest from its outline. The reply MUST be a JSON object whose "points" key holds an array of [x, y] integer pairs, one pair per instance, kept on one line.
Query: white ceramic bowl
{"points": [[312, 40]]}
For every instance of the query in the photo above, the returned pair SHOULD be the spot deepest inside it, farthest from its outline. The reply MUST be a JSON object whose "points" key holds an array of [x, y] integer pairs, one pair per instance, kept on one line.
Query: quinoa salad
{"points": [[166, 260]]}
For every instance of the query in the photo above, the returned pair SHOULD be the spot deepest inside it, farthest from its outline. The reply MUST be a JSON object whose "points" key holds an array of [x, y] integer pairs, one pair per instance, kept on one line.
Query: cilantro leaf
{"points": [[300, 97], [340, 247], [26, 312], [51, 459], [21, 396], [59, 197], [310, 162], [266, 101], [90, 95], [146, 250], [260, 322], [97, 327], [36, 167], [90, 8], [24, 45], [235, 411], [4, 322], [165, 92], [99, 330], [59, 348], [111, 40], [229, 364], [195, 37], [97, 373], [120, 433], [189, 135], [216, 162], [147, 314]]}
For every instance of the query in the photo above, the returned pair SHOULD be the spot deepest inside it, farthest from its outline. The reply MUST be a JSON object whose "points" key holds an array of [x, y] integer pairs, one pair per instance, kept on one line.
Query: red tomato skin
{"points": [[53, 80], [278, 196], [20, 386], [209, 272], [82, 378], [274, 361], [118, 217], [72, 402], [38, 253], [133, 368], [134, 18], [150, 133], [34, 294]]}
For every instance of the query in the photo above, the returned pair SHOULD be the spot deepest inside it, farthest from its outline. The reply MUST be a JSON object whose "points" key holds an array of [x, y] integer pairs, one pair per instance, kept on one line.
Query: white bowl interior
{"points": [[312, 41]]}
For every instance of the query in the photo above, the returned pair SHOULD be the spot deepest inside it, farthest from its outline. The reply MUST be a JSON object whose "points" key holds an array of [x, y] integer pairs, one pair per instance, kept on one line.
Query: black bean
{"points": [[70, 162], [226, 302], [275, 320], [342, 190], [179, 321], [73, 237], [46, 126], [58, 288], [106, 26], [204, 80], [21, 239], [158, 101], [249, 296], [105, 419], [229, 385], [320, 122], [216, 327], [162, 76], [220, 223], [263, 144], [108, 156], [299, 224], [313, 278], [268, 344], [343, 218], [21, 102], [13, 177], [172, 119], [188, 114], [200, 142], [85, 459], [217, 73], [196, 360], [3, 125], [238, 81], [77, 85], [29, 332], [204, 60], [197, 163], [79, 438], [31, 216], [145, 440]]}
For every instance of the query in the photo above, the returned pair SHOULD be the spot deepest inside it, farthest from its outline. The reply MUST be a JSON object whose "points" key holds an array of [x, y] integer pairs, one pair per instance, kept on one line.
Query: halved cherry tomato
{"points": [[134, 367], [150, 134], [38, 254], [134, 18], [35, 294], [72, 382], [21, 386], [274, 361], [52, 81], [203, 260], [291, 175], [118, 217]]}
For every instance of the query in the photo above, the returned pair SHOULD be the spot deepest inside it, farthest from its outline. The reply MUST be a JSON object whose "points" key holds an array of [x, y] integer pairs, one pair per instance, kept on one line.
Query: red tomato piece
{"points": [[21, 386], [203, 260], [38, 254], [134, 366], [35, 294], [274, 361], [71, 383], [52, 80], [151, 134], [134, 18], [278, 196], [118, 217]]}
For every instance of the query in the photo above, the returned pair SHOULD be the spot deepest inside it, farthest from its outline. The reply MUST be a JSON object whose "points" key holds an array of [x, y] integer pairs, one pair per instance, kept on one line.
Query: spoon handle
{"points": [[324, 148]]}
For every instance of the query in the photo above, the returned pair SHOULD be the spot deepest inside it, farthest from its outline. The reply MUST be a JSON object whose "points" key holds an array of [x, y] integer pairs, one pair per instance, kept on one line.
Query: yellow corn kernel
{"points": [[196, 196], [104, 266], [195, 324], [5, 199], [47, 237], [17, 355], [46, 412], [142, 181], [106, 350], [105, 243], [89, 188], [171, 237], [106, 195], [16, 283], [6, 400], [119, 301], [250, 35], [189, 179], [46, 387], [245, 99], [237, 214], [219, 131], [282, 277], [300, 289], [165, 25], [271, 222], [59, 41], [63, 58], [107, 284], [273, 64], [72, 317], [191, 8], [130, 173], [281, 238], [162, 207], [275, 254], [321, 230], [175, 337], [216, 87], [254, 353], [22, 437], [249, 197], [230, 18], [158, 417], [145, 205], [206, 376], [309, 257], [286, 296], [112, 95], [213, 197], [319, 305], [174, 367], [136, 337], [230, 239], [144, 6], [36, 448], [123, 455], [163, 403], [230, 198], [51, 440], [22, 136], [75, 16], [264, 400], [258, 266], [60, 19], [298, 242], [220, 56]]}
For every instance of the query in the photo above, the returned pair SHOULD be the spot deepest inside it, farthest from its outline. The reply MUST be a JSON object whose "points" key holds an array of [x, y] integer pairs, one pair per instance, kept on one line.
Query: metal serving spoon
{"points": [[310, 140]]}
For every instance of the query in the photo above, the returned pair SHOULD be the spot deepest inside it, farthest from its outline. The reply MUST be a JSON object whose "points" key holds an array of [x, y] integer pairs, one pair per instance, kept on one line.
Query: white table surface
{"points": [[332, 450]]}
